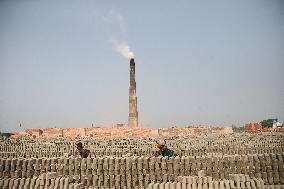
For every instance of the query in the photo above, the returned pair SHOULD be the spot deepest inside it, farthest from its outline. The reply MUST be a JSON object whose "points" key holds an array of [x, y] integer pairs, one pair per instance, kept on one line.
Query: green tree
{"points": [[268, 123]]}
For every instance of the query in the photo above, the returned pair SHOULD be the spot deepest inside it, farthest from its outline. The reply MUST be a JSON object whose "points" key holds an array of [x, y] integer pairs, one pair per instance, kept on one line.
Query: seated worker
{"points": [[163, 149], [84, 153]]}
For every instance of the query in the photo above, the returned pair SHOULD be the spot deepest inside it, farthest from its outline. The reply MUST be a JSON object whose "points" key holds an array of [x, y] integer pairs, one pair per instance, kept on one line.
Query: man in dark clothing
{"points": [[84, 153], [163, 149]]}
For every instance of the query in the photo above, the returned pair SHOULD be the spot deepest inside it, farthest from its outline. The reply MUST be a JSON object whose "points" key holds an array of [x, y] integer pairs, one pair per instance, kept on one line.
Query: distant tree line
{"points": [[268, 123], [5, 135], [238, 129]]}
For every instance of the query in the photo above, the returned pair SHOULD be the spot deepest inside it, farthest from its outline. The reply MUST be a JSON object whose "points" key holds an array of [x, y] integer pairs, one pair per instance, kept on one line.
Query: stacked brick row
{"points": [[185, 146], [40, 148], [134, 172], [140, 152], [45, 181], [197, 182], [230, 150]]}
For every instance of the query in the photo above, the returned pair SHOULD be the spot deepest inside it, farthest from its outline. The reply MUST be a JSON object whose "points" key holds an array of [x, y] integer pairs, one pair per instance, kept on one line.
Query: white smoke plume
{"points": [[123, 49]]}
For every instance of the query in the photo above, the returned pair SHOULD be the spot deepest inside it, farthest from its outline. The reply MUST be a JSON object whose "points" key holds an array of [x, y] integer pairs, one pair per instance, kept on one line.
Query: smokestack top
{"points": [[132, 61]]}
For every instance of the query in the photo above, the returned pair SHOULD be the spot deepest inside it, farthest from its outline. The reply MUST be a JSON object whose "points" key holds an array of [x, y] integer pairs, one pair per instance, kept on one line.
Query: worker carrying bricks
{"points": [[163, 149], [84, 153]]}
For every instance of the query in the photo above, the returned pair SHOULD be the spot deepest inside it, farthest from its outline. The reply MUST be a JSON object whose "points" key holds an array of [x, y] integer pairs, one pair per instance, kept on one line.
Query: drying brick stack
{"points": [[235, 160]]}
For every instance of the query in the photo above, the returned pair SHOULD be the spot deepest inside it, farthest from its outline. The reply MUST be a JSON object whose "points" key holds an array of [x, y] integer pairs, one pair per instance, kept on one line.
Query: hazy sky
{"points": [[197, 62]]}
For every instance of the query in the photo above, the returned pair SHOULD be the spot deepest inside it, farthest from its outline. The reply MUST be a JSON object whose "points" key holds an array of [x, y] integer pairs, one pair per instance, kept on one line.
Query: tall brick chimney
{"points": [[133, 114]]}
